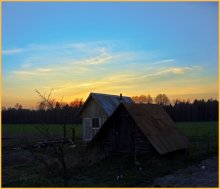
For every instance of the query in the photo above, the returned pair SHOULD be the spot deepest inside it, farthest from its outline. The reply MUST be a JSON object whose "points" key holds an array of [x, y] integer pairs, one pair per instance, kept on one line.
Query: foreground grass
{"points": [[104, 173], [137, 172]]}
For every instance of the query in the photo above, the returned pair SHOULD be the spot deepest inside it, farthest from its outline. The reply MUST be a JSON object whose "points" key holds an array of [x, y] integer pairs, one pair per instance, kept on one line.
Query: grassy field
{"points": [[198, 128], [31, 131], [188, 128], [33, 128], [20, 170]]}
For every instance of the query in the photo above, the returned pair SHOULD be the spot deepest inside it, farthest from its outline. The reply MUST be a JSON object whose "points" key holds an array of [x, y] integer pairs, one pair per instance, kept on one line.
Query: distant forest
{"points": [[179, 110]]}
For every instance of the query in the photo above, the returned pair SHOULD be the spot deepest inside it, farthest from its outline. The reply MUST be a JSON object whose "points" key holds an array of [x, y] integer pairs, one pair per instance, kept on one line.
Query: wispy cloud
{"points": [[79, 68], [86, 47], [126, 78], [173, 70], [76, 66], [12, 51], [35, 72], [74, 63], [99, 60], [164, 61]]}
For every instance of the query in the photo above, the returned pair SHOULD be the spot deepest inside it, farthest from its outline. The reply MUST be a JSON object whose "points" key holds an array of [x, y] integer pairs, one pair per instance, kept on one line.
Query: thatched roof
{"points": [[156, 125]]}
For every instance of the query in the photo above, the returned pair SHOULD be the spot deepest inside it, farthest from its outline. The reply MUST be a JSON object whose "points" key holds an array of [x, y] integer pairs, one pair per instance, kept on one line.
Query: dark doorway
{"points": [[123, 134]]}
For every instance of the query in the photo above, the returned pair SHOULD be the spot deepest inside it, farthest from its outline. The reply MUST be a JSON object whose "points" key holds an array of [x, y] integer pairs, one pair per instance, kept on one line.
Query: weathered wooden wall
{"points": [[93, 110], [123, 135]]}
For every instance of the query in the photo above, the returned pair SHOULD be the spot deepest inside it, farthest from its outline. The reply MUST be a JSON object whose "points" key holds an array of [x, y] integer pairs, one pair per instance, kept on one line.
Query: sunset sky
{"points": [[129, 48]]}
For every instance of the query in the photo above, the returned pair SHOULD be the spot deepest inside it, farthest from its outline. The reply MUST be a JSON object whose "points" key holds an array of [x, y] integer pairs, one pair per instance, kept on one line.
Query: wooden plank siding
{"points": [[124, 136], [92, 110], [141, 144], [99, 106], [140, 128]]}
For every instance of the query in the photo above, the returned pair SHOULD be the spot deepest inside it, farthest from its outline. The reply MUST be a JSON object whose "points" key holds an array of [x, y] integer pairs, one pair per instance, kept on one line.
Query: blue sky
{"points": [[134, 48]]}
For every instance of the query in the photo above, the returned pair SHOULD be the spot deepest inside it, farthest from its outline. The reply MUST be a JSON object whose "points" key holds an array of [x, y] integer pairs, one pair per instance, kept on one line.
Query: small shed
{"points": [[95, 111], [139, 128]]}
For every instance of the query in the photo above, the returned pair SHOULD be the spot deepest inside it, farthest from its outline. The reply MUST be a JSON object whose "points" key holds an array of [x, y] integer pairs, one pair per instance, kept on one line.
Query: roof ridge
{"points": [[107, 94]]}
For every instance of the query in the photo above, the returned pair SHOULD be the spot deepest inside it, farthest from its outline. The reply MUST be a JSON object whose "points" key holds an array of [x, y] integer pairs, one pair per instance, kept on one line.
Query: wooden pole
{"points": [[73, 134]]}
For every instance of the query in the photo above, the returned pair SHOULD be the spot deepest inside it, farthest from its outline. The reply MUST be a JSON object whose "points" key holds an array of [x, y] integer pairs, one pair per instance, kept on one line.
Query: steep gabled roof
{"points": [[107, 102], [156, 125]]}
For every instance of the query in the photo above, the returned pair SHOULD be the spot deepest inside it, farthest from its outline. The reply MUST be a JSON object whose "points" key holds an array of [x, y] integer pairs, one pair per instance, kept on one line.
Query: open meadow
{"points": [[20, 168]]}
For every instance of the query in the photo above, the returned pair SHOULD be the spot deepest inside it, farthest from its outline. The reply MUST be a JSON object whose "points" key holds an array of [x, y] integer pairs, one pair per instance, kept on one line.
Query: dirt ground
{"points": [[204, 174]]}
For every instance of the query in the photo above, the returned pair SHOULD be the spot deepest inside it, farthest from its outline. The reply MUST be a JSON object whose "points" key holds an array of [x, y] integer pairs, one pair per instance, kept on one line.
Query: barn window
{"points": [[95, 122]]}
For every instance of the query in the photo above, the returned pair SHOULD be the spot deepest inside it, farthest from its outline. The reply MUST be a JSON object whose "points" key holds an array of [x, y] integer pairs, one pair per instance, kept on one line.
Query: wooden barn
{"points": [[97, 108], [139, 128]]}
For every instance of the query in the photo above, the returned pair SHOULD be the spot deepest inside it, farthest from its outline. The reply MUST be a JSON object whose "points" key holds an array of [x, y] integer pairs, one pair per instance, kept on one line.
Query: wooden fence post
{"points": [[73, 134], [208, 142]]}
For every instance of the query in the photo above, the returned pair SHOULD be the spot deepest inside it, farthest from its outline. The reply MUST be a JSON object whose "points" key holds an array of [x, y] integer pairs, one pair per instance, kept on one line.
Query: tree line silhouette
{"points": [[43, 114], [184, 110], [179, 110]]}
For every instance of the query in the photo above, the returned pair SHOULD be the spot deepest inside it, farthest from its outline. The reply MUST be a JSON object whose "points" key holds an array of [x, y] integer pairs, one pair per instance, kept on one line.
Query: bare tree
{"points": [[139, 99], [18, 106], [58, 148], [76, 102], [134, 98], [143, 99], [162, 99], [149, 99]]}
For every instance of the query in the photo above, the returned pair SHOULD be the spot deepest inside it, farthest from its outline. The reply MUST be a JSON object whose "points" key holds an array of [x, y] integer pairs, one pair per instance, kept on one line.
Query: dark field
{"points": [[20, 169], [188, 128], [11, 130], [199, 128]]}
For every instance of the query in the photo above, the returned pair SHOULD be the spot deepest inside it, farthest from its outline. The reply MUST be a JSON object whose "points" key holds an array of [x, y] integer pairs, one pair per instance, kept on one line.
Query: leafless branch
{"points": [[50, 103]]}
